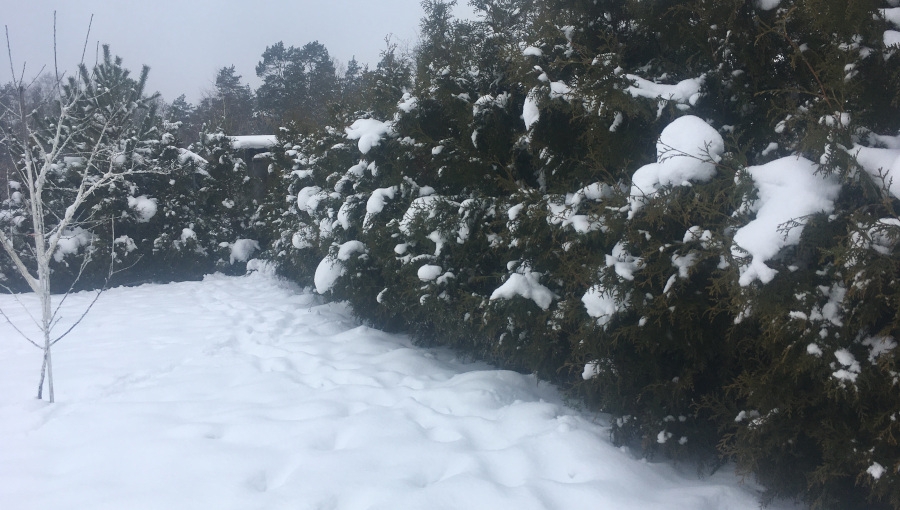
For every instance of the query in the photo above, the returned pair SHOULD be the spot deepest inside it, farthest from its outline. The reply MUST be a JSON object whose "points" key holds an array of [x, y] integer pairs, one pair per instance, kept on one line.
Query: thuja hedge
{"points": [[494, 211]]}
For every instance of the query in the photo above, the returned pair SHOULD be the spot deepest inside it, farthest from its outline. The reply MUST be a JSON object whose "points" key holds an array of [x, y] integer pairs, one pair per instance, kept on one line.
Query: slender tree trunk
{"points": [[47, 311], [43, 375], [43, 263]]}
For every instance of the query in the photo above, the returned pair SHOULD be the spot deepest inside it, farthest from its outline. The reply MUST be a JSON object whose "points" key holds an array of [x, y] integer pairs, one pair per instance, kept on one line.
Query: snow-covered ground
{"points": [[245, 393]]}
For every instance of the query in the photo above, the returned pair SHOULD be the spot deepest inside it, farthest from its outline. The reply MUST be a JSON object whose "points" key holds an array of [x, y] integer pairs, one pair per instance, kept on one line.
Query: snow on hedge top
{"points": [[891, 38], [687, 150], [369, 132], [242, 250], [71, 241], [685, 91], [429, 272], [602, 304], [530, 111], [789, 189], [332, 267], [767, 5], [420, 206], [254, 142], [144, 208], [881, 163], [891, 15], [525, 284], [376, 201], [185, 155]]}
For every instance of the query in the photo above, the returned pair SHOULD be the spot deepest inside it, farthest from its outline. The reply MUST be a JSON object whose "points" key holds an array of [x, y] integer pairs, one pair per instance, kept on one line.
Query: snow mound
{"points": [[683, 92], [369, 132], [600, 304], [789, 190], [254, 142], [71, 242], [687, 151], [880, 164], [242, 250], [767, 5], [332, 267], [327, 273], [375, 203], [421, 206], [530, 111], [309, 197], [350, 248], [144, 208], [891, 38], [429, 272], [525, 284]]}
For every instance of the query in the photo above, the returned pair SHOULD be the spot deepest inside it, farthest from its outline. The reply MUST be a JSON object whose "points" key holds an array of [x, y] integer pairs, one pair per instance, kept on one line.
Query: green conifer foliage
{"points": [[513, 202]]}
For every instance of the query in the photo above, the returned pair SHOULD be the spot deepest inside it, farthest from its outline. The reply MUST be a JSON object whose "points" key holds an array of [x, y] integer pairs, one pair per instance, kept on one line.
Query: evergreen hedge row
{"points": [[496, 210]]}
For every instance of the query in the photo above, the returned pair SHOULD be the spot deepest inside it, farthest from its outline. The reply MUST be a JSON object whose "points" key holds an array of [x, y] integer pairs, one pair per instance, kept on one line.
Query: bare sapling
{"points": [[67, 148]]}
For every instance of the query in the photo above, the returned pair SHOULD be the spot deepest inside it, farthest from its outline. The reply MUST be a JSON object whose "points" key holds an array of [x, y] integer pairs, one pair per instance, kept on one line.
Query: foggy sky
{"points": [[185, 42]]}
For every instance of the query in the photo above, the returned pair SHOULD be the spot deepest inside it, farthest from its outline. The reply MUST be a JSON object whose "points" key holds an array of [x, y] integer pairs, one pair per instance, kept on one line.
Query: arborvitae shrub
{"points": [[634, 302]]}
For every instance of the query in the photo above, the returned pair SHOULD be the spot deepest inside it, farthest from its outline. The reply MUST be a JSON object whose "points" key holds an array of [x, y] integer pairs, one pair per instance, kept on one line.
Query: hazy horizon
{"points": [[185, 43]]}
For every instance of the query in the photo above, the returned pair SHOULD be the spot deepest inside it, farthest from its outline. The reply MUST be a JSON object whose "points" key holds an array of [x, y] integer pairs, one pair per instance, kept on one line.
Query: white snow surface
{"points": [[254, 141], [332, 267], [882, 164], [369, 132], [375, 203], [185, 155], [789, 190], [423, 205], [244, 393], [531, 113], [684, 92], [309, 197], [429, 272], [71, 243], [687, 151], [242, 250], [525, 283], [601, 304], [891, 38], [144, 208], [767, 5], [891, 15], [327, 273]]}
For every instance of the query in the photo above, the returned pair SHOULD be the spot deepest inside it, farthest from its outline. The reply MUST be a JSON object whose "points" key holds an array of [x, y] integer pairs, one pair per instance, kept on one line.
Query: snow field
{"points": [[244, 393]]}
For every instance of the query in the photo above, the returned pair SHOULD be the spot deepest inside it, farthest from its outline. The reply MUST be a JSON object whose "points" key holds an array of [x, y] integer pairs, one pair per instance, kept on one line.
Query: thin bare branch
{"points": [[19, 331], [84, 262], [55, 63], [19, 301], [12, 69], [86, 37], [81, 318]]}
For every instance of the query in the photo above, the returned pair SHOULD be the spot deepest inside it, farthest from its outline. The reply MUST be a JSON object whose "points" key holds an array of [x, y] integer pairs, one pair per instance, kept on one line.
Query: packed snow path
{"points": [[243, 393]]}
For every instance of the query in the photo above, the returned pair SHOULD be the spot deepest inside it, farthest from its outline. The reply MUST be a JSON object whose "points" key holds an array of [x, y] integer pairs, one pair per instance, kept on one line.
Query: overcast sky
{"points": [[186, 41]]}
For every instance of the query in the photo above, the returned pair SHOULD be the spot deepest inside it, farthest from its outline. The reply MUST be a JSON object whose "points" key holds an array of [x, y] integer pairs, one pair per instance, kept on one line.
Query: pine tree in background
{"points": [[231, 105], [387, 82], [184, 114], [300, 85], [353, 88]]}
